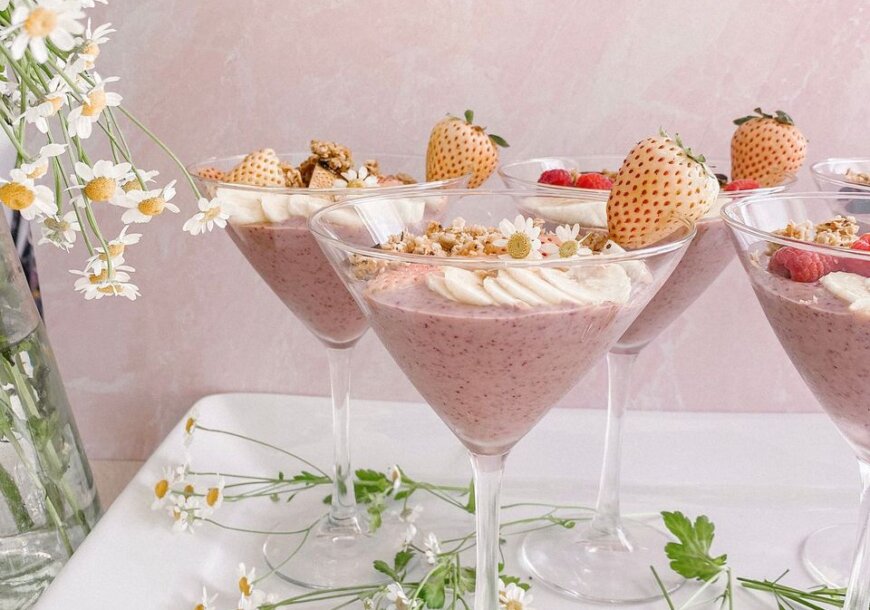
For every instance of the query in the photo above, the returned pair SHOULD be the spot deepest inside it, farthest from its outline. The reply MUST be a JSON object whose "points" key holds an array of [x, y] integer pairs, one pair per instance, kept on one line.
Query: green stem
{"points": [[16, 505]]}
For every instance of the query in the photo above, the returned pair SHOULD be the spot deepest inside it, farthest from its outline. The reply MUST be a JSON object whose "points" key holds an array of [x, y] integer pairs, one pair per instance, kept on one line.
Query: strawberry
{"points": [[459, 147], [862, 243], [858, 266], [661, 183], [593, 180], [556, 177], [801, 265], [211, 173], [746, 184], [766, 148], [260, 168]]}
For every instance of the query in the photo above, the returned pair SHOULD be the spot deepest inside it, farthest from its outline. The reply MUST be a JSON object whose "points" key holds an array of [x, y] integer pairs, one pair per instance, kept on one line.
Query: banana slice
{"points": [[604, 283], [465, 286], [535, 283], [275, 207], [637, 270], [243, 206], [850, 287], [515, 289], [437, 284], [499, 294]]}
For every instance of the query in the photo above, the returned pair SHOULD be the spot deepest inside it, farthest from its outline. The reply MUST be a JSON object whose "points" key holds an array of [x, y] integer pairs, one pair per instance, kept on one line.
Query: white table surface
{"points": [[766, 480]]}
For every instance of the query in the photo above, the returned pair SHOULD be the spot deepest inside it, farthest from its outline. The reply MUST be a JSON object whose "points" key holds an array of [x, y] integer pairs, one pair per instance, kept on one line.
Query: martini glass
{"points": [[490, 371], [269, 225], [609, 559], [827, 340]]}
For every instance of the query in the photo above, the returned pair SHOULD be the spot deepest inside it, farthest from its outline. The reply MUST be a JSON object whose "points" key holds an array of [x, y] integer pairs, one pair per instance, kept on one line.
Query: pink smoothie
{"points": [[289, 260], [705, 258], [828, 344], [489, 372]]}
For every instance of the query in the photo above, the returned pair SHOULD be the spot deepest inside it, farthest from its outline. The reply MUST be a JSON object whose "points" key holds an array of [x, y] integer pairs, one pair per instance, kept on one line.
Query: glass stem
{"points": [[619, 377], [343, 512], [858, 593], [488, 470]]}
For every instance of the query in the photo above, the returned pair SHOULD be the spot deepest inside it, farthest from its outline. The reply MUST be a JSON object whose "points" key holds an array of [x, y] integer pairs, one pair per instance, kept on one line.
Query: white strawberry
{"points": [[660, 185], [459, 148]]}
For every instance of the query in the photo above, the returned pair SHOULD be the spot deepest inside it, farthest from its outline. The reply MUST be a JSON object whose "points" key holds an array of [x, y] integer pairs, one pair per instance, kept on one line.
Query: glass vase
{"points": [[48, 502]]}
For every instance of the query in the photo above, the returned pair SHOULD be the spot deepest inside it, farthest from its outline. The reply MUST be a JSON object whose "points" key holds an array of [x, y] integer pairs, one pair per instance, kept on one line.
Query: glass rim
{"points": [[816, 171], [316, 226], [729, 216], [192, 168], [789, 180]]}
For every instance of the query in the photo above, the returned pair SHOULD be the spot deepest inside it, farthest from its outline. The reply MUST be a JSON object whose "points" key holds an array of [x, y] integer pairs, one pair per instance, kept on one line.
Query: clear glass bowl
{"points": [[830, 174]]}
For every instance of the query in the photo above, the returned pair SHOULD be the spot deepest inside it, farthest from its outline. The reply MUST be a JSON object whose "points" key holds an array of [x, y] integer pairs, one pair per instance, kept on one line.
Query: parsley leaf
{"points": [[690, 557]]}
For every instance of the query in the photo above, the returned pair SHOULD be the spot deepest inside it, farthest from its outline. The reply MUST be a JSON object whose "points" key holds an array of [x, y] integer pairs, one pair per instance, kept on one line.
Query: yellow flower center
{"points": [[519, 245], [245, 586], [56, 102], [568, 249], [211, 214], [199, 607], [116, 249], [212, 496], [513, 605], [132, 185], [38, 171], [356, 184], [40, 23], [95, 103], [98, 279], [108, 289], [16, 196], [189, 424], [91, 48], [161, 488], [100, 189], [188, 490], [58, 225], [152, 206]]}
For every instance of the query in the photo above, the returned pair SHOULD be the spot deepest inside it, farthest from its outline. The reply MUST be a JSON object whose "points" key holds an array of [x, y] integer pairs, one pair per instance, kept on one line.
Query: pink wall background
{"points": [[220, 77]]}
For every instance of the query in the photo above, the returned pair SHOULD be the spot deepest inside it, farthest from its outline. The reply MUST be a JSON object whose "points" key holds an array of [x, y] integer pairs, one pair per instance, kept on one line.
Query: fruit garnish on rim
{"points": [[661, 186], [602, 180], [766, 148], [458, 147]]}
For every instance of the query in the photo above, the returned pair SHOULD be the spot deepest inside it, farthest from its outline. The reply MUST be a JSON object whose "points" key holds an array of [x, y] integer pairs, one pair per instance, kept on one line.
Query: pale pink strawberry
{"points": [[260, 168], [458, 148], [766, 148]]}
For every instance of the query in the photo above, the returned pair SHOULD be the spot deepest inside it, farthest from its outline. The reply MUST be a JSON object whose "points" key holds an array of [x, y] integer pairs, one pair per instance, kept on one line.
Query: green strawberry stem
{"points": [[696, 157], [780, 117], [497, 140]]}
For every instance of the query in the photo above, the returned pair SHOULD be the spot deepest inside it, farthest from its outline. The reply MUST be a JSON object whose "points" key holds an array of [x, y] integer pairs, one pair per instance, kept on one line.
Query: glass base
{"points": [[827, 553], [601, 567], [332, 555]]}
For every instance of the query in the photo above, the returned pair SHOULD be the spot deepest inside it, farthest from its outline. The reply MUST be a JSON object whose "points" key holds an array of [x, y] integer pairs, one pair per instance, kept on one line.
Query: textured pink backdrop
{"points": [[220, 77]]}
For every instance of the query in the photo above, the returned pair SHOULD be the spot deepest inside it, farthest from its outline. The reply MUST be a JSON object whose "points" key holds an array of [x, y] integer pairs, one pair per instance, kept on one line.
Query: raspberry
{"points": [[801, 265], [593, 181], [746, 184], [556, 177], [856, 266]]}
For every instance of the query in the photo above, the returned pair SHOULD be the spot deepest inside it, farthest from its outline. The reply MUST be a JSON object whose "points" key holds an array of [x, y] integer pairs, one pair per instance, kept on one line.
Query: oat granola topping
{"points": [[839, 231], [802, 231], [332, 156], [857, 177]]}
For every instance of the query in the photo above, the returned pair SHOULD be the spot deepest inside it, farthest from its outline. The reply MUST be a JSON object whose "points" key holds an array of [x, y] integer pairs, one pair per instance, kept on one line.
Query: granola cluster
{"points": [[840, 231], [458, 239], [857, 177]]}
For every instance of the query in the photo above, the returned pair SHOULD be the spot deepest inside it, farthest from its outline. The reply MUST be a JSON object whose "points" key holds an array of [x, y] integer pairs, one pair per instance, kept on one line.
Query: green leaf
{"points": [[384, 568], [499, 141], [402, 559], [690, 557], [469, 116], [515, 580], [375, 519], [433, 592], [469, 506]]}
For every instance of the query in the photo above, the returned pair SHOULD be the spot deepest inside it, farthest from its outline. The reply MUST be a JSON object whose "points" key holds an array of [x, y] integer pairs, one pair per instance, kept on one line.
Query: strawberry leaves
{"points": [[780, 117], [696, 157], [499, 141]]}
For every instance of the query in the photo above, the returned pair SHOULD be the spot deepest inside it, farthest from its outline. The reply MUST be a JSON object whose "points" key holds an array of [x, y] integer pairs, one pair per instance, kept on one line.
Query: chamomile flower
{"points": [[96, 285], [82, 118], [214, 496], [185, 512], [211, 214], [432, 547], [89, 46], [163, 487], [60, 231], [103, 181], [139, 180], [357, 179], [206, 602], [48, 105], [409, 535], [54, 20], [394, 474], [513, 597], [398, 598], [246, 581], [37, 168], [116, 250], [568, 245], [190, 427], [145, 205], [21, 194], [520, 238]]}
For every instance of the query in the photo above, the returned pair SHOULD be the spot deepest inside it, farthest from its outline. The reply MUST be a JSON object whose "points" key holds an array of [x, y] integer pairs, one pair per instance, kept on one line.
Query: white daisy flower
{"points": [[185, 513], [37, 168], [117, 247], [48, 105], [103, 181], [163, 487], [60, 231], [55, 20], [211, 214], [21, 194], [398, 598], [433, 548], [520, 238], [394, 474], [206, 602], [96, 285], [190, 427], [82, 118], [214, 497], [568, 245], [145, 205], [246, 581], [357, 179], [513, 597], [139, 180], [89, 46]]}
